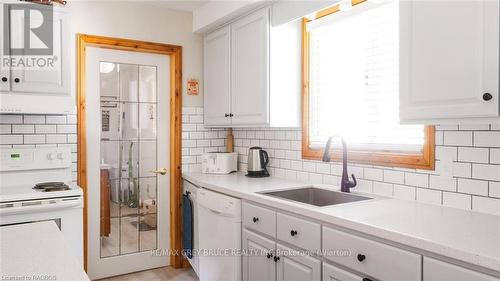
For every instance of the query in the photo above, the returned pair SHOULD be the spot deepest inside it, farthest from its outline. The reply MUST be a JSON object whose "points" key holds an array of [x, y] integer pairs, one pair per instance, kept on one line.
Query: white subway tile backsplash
{"points": [[5, 129], [11, 139], [486, 172], [458, 138], [382, 188], [23, 129], [55, 119], [414, 179], [45, 129], [463, 170], [428, 196], [494, 190], [35, 119], [11, 119], [494, 156], [374, 174], [394, 176], [457, 200], [34, 139], [486, 205], [56, 139], [470, 186], [473, 154], [404, 192], [487, 139]]}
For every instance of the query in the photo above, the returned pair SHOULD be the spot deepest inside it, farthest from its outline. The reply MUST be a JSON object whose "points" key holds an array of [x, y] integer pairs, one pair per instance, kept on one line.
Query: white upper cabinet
{"points": [[56, 78], [449, 60], [4, 72], [250, 69], [217, 55], [252, 73]]}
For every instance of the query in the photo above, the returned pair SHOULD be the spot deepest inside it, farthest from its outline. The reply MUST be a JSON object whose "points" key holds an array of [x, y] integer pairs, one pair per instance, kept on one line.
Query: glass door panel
{"points": [[129, 157]]}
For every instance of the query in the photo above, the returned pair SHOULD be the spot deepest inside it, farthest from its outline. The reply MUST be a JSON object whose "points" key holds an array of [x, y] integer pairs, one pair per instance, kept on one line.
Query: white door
{"points": [[258, 262], [127, 104], [449, 59], [217, 99], [54, 79], [295, 266], [332, 273], [250, 69], [4, 72], [435, 270]]}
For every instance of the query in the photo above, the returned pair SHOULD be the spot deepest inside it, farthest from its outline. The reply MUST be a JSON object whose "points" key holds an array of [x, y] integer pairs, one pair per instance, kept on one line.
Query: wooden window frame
{"points": [[424, 160]]}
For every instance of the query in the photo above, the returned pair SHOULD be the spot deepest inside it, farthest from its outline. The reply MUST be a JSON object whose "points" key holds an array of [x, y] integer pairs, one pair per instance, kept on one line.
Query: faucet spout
{"points": [[345, 184]]}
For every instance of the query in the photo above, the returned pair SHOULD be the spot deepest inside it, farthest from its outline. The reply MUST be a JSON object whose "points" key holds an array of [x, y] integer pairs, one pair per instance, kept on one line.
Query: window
{"points": [[351, 76]]}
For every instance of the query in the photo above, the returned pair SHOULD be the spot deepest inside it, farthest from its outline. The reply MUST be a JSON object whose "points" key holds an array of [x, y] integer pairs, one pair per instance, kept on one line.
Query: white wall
{"points": [[140, 22]]}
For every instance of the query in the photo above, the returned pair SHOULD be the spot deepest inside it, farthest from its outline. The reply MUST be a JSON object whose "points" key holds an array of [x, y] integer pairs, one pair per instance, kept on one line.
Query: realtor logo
{"points": [[28, 30]]}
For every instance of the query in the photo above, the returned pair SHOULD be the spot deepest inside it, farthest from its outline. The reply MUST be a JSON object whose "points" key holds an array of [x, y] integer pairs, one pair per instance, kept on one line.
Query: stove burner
{"points": [[51, 186]]}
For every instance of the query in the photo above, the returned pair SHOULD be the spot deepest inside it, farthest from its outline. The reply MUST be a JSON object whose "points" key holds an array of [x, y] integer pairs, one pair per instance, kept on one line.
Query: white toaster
{"points": [[219, 162]]}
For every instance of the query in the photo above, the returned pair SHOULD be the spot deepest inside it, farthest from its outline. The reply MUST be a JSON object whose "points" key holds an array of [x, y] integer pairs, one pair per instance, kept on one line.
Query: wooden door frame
{"points": [[175, 54]]}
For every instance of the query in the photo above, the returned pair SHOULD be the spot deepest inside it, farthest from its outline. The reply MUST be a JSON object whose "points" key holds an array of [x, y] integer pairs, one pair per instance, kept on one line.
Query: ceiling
{"points": [[180, 5]]}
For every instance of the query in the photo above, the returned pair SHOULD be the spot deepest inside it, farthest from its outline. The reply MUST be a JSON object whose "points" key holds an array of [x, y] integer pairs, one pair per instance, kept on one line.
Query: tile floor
{"points": [[158, 274]]}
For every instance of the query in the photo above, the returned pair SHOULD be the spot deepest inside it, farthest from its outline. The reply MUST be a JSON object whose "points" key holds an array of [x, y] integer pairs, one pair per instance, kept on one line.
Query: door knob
{"points": [[162, 171]]}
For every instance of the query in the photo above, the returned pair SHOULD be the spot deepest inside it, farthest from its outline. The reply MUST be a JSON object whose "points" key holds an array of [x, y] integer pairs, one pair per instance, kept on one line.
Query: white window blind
{"points": [[354, 81]]}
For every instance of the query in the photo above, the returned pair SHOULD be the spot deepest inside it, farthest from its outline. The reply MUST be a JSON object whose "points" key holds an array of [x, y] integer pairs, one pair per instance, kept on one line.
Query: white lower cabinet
{"points": [[332, 273], [258, 257], [435, 270], [295, 265]]}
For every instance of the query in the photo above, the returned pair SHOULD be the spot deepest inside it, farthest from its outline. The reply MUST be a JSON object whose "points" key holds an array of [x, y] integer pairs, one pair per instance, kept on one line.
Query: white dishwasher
{"points": [[219, 231]]}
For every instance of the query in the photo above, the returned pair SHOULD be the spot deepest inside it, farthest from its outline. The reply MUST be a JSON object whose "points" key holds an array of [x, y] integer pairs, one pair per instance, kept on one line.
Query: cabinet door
{"points": [[293, 265], [257, 264], [449, 59], [332, 273], [54, 79], [4, 71], [217, 99], [250, 69], [435, 270]]}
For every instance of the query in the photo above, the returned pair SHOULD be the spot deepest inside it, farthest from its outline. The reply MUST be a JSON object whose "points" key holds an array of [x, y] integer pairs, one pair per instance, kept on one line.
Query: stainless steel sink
{"points": [[316, 196]]}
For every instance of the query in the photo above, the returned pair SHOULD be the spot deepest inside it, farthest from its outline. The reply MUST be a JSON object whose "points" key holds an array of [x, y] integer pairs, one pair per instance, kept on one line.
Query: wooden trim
{"points": [[424, 160], [175, 54]]}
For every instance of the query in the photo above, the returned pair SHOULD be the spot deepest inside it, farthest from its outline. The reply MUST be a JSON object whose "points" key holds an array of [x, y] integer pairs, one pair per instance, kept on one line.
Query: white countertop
{"points": [[466, 236], [37, 251]]}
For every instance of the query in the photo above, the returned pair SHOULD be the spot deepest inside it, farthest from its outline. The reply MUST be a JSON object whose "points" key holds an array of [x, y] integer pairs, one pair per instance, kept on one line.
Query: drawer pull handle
{"points": [[276, 259], [255, 219], [366, 279], [269, 255], [361, 257], [293, 232], [487, 96]]}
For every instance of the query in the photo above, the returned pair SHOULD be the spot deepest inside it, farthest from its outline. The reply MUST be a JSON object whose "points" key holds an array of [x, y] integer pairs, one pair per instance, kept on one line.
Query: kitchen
{"points": [[224, 160]]}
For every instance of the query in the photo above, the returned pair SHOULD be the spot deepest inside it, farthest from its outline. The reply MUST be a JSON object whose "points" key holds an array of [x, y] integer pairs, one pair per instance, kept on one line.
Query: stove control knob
{"points": [[50, 156], [60, 156]]}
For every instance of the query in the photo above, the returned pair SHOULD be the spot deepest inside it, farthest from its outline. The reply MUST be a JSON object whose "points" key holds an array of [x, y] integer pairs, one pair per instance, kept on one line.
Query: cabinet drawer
{"points": [[435, 270], [259, 219], [299, 232], [372, 258]]}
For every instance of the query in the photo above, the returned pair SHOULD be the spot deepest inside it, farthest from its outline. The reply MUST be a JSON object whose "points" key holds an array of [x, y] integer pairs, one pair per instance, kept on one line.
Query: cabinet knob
{"points": [[255, 219], [293, 232], [226, 115], [17, 80], [269, 255], [231, 115], [276, 259], [361, 257], [4, 79], [487, 96]]}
